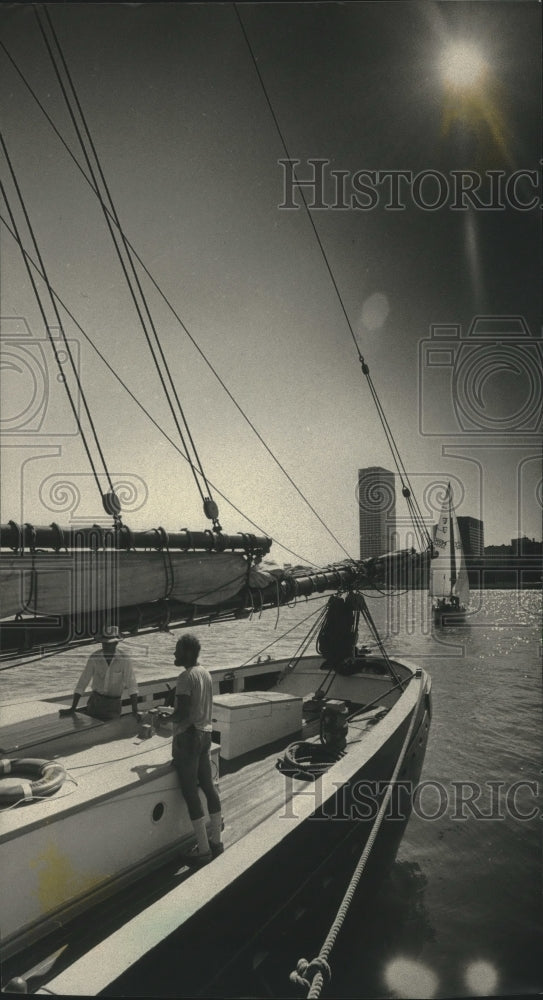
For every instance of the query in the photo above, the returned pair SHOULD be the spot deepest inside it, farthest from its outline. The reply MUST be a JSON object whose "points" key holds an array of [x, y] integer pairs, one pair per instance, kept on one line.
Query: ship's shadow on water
{"points": [[383, 938], [379, 944]]}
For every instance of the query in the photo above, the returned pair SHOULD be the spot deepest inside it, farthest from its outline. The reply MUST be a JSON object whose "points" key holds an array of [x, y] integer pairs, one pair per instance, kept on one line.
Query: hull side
{"points": [[449, 614], [64, 867]]}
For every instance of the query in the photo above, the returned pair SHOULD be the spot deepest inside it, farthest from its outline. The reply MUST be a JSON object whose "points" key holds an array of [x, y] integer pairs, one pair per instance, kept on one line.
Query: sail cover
{"points": [[73, 583]]}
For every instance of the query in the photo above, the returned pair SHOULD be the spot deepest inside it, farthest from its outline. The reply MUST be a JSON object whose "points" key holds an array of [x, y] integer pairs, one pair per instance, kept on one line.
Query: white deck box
{"points": [[250, 719]]}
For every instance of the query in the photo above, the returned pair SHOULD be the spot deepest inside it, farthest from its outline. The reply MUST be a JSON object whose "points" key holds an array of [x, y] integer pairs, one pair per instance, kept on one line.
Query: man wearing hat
{"points": [[111, 672]]}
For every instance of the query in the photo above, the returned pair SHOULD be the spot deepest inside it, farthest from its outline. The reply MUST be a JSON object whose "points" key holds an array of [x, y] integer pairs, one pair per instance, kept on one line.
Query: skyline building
{"points": [[472, 535], [376, 511]]}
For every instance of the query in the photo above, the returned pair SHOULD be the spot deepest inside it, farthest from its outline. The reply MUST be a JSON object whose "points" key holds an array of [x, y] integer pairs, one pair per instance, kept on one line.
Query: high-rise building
{"points": [[472, 535], [377, 511]]}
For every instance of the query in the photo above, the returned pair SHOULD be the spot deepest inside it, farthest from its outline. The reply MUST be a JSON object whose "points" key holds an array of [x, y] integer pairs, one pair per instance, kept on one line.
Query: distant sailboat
{"points": [[449, 576]]}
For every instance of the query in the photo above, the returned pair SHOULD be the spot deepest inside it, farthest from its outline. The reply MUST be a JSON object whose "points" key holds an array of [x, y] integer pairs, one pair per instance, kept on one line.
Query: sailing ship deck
{"points": [[116, 758], [116, 779]]}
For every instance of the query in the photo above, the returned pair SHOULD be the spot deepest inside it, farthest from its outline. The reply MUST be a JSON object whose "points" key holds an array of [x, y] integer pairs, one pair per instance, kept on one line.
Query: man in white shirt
{"points": [[191, 745], [110, 671]]}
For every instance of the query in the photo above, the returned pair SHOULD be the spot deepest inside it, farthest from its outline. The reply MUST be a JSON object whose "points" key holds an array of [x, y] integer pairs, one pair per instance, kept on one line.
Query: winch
{"points": [[334, 724]]}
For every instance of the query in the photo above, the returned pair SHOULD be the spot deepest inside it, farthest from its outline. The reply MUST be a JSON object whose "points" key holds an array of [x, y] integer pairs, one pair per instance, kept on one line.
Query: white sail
{"points": [[441, 582], [460, 585], [448, 573]]}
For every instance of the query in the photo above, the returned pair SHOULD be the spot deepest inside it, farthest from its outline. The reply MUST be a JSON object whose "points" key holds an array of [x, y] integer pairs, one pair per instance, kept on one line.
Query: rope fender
{"points": [[44, 777]]}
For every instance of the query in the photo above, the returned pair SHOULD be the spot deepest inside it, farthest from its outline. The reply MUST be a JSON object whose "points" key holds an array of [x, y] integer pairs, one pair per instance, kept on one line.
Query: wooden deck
{"points": [[112, 756], [254, 788]]}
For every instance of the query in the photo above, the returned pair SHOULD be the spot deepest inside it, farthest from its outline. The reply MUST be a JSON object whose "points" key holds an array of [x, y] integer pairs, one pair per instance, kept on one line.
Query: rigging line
{"points": [[60, 325], [96, 349], [318, 611], [226, 615], [386, 425], [288, 156], [46, 324], [126, 246], [186, 331], [416, 515], [28, 258], [396, 453], [300, 188], [111, 230]]}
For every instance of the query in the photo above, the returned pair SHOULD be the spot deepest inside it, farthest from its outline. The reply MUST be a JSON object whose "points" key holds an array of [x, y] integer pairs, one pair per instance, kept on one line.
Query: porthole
{"points": [[158, 812]]}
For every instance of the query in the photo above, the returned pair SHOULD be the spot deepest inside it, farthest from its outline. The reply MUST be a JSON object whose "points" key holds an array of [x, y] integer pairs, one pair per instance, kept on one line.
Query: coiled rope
{"points": [[308, 761], [312, 975]]}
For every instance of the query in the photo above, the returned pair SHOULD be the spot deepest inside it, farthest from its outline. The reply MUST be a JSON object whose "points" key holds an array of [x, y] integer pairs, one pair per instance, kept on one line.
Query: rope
{"points": [[282, 636], [278, 602], [288, 156], [395, 454], [189, 335], [417, 518], [33, 589], [317, 973], [295, 659], [168, 565], [110, 215], [307, 761], [66, 344], [300, 558], [379, 642], [329, 676]]}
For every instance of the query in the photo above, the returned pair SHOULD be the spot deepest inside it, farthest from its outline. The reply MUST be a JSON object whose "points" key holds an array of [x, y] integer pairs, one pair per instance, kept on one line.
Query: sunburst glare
{"points": [[463, 66], [406, 977], [481, 978]]}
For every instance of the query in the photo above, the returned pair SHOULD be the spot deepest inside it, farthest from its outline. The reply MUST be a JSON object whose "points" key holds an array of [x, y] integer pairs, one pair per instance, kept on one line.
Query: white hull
{"points": [[104, 837]]}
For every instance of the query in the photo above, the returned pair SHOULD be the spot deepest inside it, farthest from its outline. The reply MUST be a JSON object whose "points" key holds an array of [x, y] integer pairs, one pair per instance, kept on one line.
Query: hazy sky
{"points": [[190, 151]]}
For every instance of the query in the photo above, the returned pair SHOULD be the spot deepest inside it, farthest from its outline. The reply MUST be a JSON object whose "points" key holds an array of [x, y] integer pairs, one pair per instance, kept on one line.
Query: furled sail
{"points": [[78, 582], [48, 593], [102, 569], [69, 583]]}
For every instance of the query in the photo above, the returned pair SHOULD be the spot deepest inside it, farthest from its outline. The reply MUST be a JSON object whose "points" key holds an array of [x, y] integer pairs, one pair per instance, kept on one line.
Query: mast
{"points": [[451, 542]]}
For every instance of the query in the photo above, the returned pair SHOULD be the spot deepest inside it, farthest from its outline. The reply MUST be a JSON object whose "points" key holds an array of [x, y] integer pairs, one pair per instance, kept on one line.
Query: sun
{"points": [[472, 100], [463, 67]]}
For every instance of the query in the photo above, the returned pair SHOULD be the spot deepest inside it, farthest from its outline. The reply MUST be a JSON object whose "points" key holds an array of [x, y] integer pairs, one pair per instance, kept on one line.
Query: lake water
{"points": [[460, 914]]}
